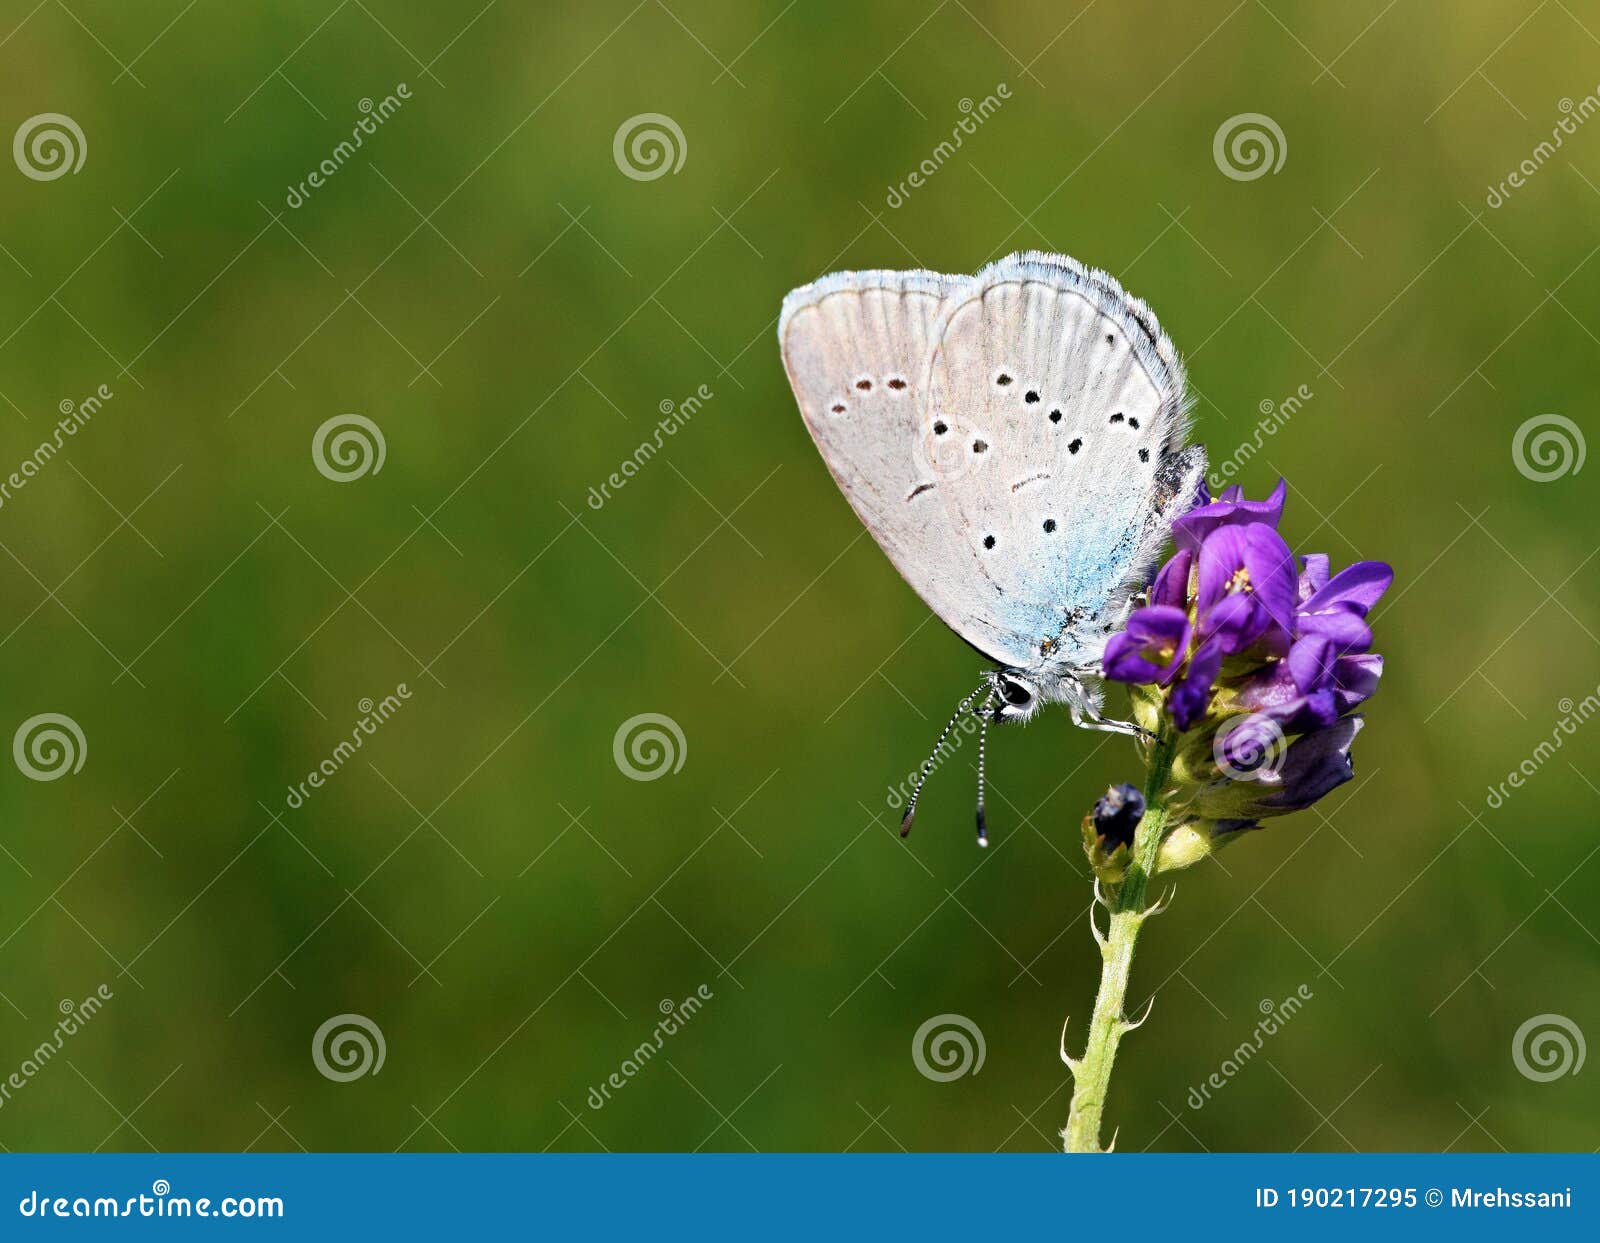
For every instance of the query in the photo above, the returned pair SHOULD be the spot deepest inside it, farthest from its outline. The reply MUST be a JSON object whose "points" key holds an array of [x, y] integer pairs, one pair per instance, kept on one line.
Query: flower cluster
{"points": [[1256, 660]]}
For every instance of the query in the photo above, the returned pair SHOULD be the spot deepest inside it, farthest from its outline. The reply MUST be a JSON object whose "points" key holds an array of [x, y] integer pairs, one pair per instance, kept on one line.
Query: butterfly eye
{"points": [[1015, 693]]}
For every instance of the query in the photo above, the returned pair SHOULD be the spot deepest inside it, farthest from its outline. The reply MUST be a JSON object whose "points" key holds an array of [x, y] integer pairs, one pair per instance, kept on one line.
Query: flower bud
{"points": [[1117, 815], [1197, 839]]}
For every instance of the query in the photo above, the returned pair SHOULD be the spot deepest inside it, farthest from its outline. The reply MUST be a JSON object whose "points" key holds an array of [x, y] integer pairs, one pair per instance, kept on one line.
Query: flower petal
{"points": [[1172, 583], [1346, 630], [1250, 558], [1314, 764], [1311, 662], [1314, 576], [1359, 585], [1191, 529], [1190, 694], [1152, 648], [1355, 678]]}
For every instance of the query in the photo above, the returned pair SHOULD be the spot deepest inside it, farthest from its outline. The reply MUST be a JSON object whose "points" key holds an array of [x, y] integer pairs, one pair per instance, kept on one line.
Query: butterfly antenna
{"points": [[983, 740], [927, 764]]}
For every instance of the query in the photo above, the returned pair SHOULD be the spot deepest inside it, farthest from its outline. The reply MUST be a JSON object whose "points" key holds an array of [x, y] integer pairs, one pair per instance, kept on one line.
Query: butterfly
{"points": [[1015, 442]]}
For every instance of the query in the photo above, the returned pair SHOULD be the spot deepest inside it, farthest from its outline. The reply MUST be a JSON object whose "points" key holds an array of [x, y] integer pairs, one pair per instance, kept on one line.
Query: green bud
{"points": [[1109, 865], [1196, 839]]}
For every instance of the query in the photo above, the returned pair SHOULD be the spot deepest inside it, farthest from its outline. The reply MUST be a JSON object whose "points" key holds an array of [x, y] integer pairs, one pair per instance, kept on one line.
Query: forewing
{"points": [[1063, 414]]}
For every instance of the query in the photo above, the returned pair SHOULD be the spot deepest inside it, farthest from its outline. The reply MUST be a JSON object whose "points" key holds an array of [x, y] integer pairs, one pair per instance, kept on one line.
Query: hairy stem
{"points": [[1092, 1073]]}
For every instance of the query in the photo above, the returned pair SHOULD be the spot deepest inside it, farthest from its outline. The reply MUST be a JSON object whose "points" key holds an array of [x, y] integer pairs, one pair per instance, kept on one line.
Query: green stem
{"points": [[1092, 1073]]}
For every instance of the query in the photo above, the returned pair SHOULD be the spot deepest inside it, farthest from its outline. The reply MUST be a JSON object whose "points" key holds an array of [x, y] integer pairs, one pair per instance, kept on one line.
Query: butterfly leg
{"points": [[1084, 705], [1087, 718]]}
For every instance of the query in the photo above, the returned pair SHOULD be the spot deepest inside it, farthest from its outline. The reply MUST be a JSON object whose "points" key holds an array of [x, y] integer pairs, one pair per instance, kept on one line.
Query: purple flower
{"points": [[1230, 508], [1152, 646], [1255, 657], [1250, 568], [1314, 764], [1192, 692], [1172, 581]]}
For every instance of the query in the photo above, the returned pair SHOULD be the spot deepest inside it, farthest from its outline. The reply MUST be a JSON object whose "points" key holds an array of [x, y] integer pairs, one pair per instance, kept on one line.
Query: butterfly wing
{"points": [[1022, 523], [1062, 405], [856, 347]]}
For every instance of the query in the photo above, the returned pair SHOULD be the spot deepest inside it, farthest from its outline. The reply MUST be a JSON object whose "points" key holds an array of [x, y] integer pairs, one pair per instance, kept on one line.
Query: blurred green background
{"points": [[483, 282]]}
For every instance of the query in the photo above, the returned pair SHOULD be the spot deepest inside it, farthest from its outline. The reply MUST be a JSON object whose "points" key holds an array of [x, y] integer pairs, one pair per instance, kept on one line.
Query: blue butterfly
{"points": [[1015, 442]]}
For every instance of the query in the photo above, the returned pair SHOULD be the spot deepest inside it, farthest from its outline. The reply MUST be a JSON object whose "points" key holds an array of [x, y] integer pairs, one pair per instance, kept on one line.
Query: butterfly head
{"points": [[1013, 697]]}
